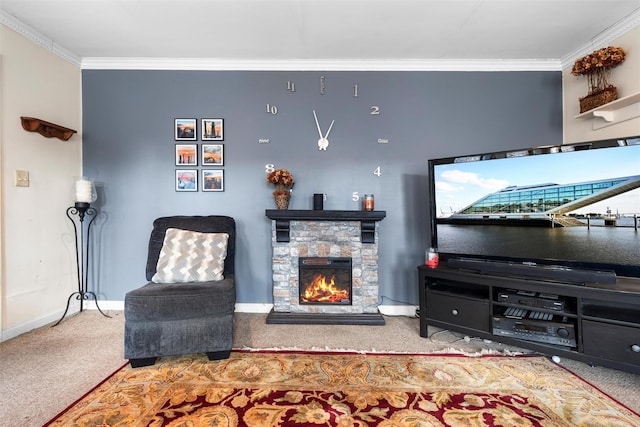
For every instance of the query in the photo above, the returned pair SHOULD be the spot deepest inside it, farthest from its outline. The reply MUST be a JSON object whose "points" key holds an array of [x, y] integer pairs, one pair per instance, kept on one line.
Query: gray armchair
{"points": [[165, 319]]}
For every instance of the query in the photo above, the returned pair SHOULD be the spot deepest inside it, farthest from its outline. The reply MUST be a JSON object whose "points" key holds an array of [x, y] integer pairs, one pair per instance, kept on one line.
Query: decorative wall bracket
{"points": [[46, 129]]}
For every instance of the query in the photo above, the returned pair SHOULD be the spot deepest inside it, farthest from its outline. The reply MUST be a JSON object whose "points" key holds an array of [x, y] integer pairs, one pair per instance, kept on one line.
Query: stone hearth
{"points": [[320, 233]]}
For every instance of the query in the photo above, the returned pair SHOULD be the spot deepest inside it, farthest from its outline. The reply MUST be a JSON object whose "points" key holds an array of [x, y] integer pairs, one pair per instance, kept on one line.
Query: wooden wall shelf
{"points": [[46, 129], [617, 111]]}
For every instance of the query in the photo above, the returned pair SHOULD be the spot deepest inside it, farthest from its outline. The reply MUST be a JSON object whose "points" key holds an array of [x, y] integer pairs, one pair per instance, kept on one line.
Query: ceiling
{"points": [[319, 30]]}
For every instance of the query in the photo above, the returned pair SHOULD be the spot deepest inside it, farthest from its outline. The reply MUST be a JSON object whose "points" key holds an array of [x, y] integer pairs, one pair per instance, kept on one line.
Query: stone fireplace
{"points": [[325, 240]]}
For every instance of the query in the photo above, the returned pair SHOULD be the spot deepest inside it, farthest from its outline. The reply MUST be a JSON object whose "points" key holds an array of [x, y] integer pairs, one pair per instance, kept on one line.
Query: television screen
{"points": [[574, 205]]}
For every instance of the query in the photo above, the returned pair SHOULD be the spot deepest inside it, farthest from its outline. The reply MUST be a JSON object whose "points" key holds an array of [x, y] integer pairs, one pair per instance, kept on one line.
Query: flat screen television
{"points": [[572, 207]]}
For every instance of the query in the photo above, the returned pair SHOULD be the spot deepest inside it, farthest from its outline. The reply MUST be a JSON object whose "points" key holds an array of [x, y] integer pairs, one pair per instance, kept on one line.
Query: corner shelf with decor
{"points": [[617, 111], [602, 97]]}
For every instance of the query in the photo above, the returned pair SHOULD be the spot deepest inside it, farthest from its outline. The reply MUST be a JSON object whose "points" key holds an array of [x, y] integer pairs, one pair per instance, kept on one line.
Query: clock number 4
{"points": [[272, 109], [377, 172]]}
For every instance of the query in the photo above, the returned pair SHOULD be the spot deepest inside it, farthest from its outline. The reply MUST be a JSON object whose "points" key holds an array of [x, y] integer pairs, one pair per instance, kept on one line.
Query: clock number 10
{"points": [[272, 109]]}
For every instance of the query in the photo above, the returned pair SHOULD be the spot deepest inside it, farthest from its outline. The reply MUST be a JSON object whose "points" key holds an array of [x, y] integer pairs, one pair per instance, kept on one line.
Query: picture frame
{"points": [[185, 129], [212, 155], [212, 129], [213, 180], [186, 154], [186, 180]]}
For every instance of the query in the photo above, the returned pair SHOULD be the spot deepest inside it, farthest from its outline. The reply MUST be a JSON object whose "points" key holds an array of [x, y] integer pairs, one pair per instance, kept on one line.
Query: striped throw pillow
{"points": [[191, 256]]}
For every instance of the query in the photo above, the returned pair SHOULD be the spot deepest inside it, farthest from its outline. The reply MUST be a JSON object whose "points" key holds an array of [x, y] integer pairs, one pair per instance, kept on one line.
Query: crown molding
{"points": [[208, 64], [603, 39], [24, 30]]}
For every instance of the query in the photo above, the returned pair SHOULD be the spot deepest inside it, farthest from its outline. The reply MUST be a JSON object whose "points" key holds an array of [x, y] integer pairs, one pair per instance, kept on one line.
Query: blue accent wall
{"points": [[129, 150]]}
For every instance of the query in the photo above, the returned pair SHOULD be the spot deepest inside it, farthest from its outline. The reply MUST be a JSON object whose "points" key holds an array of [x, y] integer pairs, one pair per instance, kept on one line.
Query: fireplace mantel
{"points": [[367, 220]]}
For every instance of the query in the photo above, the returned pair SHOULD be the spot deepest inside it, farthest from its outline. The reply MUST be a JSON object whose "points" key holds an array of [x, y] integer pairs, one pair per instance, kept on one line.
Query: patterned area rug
{"points": [[294, 388]]}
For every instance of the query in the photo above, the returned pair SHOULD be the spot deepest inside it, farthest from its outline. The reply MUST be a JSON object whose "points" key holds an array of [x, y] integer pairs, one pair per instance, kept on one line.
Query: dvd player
{"points": [[532, 299]]}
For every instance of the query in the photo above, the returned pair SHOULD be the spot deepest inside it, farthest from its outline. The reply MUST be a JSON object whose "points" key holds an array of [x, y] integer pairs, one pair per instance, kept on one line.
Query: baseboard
{"points": [[253, 308], [29, 326], [398, 310], [105, 305], [386, 310]]}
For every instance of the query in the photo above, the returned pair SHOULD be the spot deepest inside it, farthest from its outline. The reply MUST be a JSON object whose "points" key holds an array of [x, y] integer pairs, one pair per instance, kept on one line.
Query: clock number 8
{"points": [[269, 167]]}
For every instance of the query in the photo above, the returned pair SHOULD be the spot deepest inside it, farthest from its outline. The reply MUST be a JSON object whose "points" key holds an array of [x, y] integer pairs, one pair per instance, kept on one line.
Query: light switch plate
{"points": [[22, 178]]}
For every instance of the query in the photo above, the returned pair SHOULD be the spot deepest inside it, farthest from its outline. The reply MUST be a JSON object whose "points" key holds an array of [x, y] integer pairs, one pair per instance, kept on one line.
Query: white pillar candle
{"points": [[84, 191]]}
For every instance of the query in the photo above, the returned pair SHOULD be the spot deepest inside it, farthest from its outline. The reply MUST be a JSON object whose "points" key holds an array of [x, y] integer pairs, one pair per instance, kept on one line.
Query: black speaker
{"points": [[318, 202]]}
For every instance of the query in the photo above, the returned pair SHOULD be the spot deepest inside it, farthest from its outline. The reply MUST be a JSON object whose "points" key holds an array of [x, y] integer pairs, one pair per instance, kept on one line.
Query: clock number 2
{"points": [[375, 110], [272, 109]]}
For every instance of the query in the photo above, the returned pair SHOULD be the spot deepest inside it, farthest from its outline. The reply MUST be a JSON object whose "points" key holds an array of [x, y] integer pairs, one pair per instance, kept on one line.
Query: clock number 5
{"points": [[375, 110]]}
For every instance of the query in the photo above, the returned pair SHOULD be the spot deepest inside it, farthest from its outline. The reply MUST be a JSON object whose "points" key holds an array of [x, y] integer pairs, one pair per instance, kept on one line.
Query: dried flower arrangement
{"points": [[597, 67], [282, 179]]}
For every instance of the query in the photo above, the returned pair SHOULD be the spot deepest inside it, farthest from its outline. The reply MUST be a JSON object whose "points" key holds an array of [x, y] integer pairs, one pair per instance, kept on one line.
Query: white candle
{"points": [[84, 191]]}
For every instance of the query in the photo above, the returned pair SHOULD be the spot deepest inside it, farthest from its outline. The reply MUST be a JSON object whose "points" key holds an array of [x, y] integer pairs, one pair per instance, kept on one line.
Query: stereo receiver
{"points": [[535, 326]]}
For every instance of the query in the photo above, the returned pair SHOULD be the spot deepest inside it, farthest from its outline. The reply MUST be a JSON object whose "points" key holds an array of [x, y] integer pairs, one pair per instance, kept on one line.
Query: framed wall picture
{"points": [[185, 130], [212, 154], [212, 180], [212, 129], [186, 180], [186, 154]]}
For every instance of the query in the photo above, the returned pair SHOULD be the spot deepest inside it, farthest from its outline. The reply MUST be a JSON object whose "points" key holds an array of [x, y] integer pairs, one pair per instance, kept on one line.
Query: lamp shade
{"points": [[85, 191]]}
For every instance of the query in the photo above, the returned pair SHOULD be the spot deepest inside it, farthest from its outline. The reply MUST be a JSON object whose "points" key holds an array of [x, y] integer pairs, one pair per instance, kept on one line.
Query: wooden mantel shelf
{"points": [[367, 220], [46, 129]]}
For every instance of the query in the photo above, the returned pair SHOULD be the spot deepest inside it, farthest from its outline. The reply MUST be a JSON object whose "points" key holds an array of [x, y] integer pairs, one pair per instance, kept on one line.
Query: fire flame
{"points": [[319, 290]]}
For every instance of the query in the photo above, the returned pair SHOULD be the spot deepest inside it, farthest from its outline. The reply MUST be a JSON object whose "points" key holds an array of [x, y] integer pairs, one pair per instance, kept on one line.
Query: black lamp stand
{"points": [[80, 210]]}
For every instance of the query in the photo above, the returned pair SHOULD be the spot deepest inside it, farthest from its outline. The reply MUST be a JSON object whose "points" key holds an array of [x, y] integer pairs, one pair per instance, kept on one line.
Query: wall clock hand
{"points": [[330, 126], [317, 124], [323, 142]]}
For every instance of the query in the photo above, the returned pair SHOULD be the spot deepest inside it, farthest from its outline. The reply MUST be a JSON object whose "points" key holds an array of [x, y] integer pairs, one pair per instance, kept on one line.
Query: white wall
{"points": [[37, 270], [624, 77]]}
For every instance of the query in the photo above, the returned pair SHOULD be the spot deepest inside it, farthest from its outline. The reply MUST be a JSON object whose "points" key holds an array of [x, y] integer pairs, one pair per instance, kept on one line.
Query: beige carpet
{"points": [[52, 367]]}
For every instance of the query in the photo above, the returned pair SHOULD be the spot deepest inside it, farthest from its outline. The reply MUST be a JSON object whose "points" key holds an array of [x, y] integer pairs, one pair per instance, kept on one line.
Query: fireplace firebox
{"points": [[325, 280]]}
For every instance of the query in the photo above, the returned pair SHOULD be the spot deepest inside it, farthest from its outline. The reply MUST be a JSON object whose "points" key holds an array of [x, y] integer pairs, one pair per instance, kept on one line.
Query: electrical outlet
{"points": [[22, 178]]}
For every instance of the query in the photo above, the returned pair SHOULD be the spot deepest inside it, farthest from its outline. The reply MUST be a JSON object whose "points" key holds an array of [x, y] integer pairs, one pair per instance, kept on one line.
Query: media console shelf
{"points": [[597, 324]]}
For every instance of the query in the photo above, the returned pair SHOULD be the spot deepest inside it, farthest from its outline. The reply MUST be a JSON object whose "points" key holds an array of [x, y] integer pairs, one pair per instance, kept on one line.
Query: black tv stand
{"points": [[596, 323]]}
